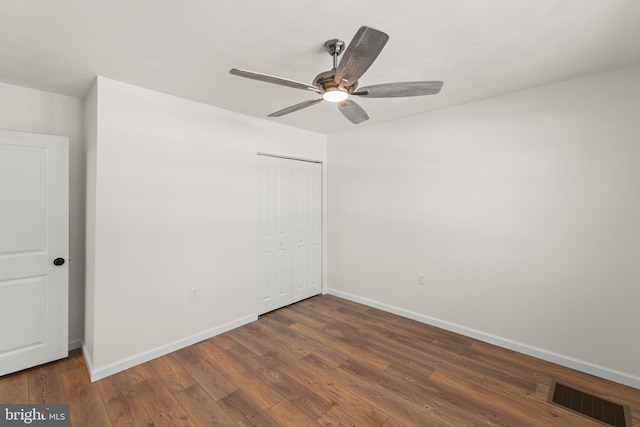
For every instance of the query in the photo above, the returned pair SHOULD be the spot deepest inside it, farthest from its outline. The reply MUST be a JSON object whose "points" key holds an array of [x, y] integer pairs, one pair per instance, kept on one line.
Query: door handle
{"points": [[58, 261]]}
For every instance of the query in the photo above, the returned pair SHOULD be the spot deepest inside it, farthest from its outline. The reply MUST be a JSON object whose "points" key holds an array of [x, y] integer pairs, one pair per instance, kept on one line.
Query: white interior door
{"points": [[289, 231], [306, 198], [33, 234], [274, 238]]}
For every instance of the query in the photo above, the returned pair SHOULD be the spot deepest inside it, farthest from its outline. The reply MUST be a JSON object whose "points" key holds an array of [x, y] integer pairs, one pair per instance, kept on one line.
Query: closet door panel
{"points": [[307, 236], [274, 234]]}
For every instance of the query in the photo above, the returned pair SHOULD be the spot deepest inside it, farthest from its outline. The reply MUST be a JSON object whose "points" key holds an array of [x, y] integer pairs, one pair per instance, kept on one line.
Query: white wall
{"points": [[28, 110], [175, 208], [522, 212]]}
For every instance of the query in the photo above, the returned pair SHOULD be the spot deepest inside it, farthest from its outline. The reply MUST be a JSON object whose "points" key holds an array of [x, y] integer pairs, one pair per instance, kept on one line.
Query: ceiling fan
{"points": [[341, 82]]}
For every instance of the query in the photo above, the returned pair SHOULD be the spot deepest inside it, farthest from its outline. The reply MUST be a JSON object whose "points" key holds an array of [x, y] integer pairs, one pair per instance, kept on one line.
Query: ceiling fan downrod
{"points": [[334, 47]]}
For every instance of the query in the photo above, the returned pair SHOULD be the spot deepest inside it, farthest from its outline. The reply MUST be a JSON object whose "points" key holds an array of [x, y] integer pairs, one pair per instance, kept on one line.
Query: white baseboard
{"points": [[567, 361], [87, 359], [130, 362], [73, 344]]}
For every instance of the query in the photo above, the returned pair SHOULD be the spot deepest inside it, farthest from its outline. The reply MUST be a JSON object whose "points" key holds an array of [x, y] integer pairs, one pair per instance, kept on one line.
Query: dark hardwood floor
{"points": [[323, 361]]}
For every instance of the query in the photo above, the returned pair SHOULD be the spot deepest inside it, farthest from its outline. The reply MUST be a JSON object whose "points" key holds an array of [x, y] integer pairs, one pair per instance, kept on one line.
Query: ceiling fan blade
{"points": [[296, 107], [360, 54], [352, 111], [272, 79], [391, 90]]}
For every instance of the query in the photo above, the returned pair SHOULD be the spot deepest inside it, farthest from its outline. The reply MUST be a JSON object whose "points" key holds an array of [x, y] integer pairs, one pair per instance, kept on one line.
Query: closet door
{"points": [[274, 233], [289, 231], [306, 236]]}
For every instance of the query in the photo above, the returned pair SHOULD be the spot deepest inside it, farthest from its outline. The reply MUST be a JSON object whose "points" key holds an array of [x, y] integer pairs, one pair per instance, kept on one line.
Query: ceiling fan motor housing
{"points": [[326, 81]]}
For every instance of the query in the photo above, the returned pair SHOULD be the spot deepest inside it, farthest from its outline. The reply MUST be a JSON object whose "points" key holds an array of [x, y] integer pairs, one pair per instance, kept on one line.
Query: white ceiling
{"points": [[479, 48]]}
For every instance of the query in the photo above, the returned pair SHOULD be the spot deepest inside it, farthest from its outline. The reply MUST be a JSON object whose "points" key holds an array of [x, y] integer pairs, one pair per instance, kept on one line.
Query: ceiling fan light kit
{"points": [[335, 95], [341, 82]]}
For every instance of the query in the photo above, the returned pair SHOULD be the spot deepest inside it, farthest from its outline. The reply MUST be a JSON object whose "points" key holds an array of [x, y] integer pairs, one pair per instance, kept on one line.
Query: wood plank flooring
{"points": [[322, 362]]}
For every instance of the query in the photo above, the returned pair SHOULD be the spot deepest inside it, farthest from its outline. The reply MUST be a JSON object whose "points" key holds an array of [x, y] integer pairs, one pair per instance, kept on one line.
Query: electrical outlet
{"points": [[194, 294], [420, 279]]}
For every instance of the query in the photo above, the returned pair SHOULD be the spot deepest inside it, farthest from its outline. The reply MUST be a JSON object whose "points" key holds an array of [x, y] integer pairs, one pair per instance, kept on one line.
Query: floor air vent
{"points": [[591, 406]]}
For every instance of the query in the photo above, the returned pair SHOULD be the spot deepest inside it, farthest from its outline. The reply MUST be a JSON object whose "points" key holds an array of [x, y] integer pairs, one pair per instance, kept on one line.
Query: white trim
{"points": [[73, 344], [130, 362], [567, 361], [300, 159], [87, 359]]}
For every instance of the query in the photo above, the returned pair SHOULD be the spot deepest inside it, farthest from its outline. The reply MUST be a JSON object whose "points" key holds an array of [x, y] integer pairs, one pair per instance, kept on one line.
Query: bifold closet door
{"points": [[289, 231], [306, 202], [274, 233]]}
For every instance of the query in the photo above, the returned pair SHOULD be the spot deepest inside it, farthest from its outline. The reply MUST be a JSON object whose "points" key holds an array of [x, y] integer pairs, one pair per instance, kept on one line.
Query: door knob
{"points": [[58, 261]]}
